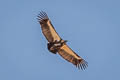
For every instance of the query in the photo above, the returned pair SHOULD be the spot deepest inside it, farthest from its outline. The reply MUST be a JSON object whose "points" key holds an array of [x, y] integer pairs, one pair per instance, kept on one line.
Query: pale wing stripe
{"points": [[66, 56], [67, 49], [53, 32]]}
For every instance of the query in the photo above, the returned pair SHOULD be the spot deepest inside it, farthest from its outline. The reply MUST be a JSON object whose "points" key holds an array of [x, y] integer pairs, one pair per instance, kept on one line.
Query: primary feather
{"points": [[57, 45]]}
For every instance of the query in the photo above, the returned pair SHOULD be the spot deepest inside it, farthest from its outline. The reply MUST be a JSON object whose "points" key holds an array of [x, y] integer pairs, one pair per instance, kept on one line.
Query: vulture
{"points": [[56, 44]]}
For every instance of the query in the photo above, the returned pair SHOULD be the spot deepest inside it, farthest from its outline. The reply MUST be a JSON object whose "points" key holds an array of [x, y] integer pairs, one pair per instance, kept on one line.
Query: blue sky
{"points": [[92, 28]]}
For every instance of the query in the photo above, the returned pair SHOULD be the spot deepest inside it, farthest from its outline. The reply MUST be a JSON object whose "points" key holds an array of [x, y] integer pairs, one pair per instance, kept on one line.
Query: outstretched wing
{"points": [[47, 28], [69, 55]]}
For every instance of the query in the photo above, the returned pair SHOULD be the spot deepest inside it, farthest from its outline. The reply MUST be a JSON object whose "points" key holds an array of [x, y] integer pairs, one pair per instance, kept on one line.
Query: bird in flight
{"points": [[57, 45]]}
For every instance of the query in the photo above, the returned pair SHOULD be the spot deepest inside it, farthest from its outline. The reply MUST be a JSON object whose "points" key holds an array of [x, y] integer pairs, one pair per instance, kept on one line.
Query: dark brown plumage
{"points": [[57, 45]]}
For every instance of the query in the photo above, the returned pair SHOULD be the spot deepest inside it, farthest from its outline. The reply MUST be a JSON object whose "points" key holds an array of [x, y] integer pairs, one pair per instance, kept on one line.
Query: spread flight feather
{"points": [[57, 45]]}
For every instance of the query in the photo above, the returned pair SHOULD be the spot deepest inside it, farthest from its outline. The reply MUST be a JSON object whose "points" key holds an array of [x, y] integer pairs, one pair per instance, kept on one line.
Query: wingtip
{"points": [[82, 65], [42, 15]]}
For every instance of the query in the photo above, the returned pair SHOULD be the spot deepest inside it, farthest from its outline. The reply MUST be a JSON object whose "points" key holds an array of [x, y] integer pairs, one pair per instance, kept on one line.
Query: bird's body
{"points": [[57, 45]]}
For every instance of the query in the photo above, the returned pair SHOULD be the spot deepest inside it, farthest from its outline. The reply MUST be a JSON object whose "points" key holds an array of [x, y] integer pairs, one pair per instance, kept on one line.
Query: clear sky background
{"points": [[92, 28]]}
